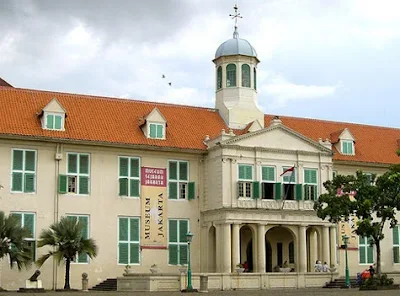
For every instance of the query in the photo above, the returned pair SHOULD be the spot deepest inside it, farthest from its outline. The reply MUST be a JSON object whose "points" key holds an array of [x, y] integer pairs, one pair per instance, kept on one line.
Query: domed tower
{"points": [[236, 81]]}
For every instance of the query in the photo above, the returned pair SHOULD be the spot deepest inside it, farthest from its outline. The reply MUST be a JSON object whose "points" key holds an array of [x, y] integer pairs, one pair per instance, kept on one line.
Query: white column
{"points": [[325, 245], [261, 248], [302, 259], [225, 248], [219, 248], [333, 247], [235, 246]]}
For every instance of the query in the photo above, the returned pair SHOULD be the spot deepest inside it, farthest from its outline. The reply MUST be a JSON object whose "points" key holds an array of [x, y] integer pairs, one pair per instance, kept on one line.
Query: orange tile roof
{"points": [[116, 121]]}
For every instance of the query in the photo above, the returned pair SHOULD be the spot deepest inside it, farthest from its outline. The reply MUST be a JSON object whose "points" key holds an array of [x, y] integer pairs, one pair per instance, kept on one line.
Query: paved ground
{"points": [[274, 292]]}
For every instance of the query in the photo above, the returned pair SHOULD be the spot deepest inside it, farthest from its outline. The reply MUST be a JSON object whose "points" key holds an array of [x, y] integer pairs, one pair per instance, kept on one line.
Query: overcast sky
{"points": [[336, 60]]}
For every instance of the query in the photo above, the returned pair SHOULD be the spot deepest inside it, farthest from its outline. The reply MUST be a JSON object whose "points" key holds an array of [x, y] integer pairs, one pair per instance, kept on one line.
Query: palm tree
{"points": [[66, 238], [12, 241]]}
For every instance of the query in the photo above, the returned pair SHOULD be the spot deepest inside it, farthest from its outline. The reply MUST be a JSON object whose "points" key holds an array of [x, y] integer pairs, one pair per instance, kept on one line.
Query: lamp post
{"points": [[189, 237], [345, 239]]}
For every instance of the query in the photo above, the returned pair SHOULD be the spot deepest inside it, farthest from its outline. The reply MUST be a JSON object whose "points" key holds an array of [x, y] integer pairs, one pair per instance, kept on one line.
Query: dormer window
{"points": [[347, 147], [156, 131], [55, 122]]}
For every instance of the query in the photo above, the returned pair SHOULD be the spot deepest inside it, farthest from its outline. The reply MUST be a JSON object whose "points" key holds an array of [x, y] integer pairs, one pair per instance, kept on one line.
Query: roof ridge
{"points": [[332, 121], [87, 96]]}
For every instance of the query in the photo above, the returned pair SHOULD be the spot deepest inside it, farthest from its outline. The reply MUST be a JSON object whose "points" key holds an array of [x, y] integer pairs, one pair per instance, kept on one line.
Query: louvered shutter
{"points": [[49, 121], [315, 192], [84, 222], [29, 224], [183, 171], [370, 254], [57, 123], [192, 192], [241, 172], [248, 172], [173, 231], [306, 192], [29, 184], [123, 186], [134, 229], [256, 190], [30, 161], [183, 254], [173, 190], [16, 182], [83, 164], [123, 167], [135, 167], [134, 186], [396, 258], [123, 253], [268, 174], [123, 229], [313, 176], [183, 230], [173, 254], [153, 131], [278, 191], [62, 184], [159, 131], [363, 240], [361, 252], [72, 163], [173, 170], [299, 191], [134, 252], [395, 233], [307, 176], [83, 185], [18, 218], [17, 159]]}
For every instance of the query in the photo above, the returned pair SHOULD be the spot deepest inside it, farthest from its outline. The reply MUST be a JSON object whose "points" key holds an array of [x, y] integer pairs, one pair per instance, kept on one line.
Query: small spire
{"points": [[236, 16]]}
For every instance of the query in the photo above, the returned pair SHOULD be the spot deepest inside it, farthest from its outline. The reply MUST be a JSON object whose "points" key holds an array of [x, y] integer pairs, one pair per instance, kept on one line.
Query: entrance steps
{"points": [[340, 283], [107, 285]]}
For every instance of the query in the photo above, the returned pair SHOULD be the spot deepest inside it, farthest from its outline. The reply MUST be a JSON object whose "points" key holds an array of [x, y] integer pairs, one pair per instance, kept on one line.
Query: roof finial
{"points": [[236, 16]]}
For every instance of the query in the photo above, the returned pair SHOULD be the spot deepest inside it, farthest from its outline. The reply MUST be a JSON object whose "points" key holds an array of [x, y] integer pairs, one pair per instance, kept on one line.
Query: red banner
{"points": [[156, 177]]}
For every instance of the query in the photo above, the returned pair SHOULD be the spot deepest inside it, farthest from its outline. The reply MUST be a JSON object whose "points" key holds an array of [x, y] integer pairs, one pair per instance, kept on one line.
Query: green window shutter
{"points": [[123, 229], [84, 164], [134, 186], [18, 218], [370, 254], [73, 218], [396, 258], [307, 176], [249, 172], [313, 176], [183, 171], [268, 174], [123, 167], [135, 167], [299, 191], [278, 191], [153, 131], [231, 75], [306, 192], [315, 192], [238, 189], [192, 192], [173, 231], [241, 172], [173, 170], [16, 182], [84, 222], [29, 224], [395, 232], [256, 190], [49, 121], [83, 185], [72, 163], [172, 190], [183, 230], [135, 253], [361, 253], [173, 254], [291, 252], [57, 123], [255, 78], [83, 257], [350, 147], [183, 254], [123, 253], [30, 161], [29, 183], [62, 184], [134, 233], [123, 186], [17, 159], [160, 131], [363, 240]]}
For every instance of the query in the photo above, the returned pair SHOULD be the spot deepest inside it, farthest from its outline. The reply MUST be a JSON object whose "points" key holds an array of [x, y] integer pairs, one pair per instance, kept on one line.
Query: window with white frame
{"points": [[178, 179], [396, 244], [310, 184], [84, 221], [54, 121], [77, 179], [129, 176], [365, 251], [23, 177], [245, 181], [268, 182], [156, 131], [128, 240], [177, 242], [289, 183], [27, 220], [347, 147]]}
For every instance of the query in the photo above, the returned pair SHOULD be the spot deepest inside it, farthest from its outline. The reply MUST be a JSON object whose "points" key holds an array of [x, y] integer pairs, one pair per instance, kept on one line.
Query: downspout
{"points": [[58, 156]]}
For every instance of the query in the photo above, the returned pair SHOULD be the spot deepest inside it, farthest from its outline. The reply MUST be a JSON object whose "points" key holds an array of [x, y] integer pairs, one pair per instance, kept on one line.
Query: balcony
{"points": [[271, 204]]}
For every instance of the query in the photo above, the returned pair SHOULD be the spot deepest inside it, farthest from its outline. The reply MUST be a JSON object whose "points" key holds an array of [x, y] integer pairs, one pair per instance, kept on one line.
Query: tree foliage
{"points": [[66, 239], [373, 203], [12, 242]]}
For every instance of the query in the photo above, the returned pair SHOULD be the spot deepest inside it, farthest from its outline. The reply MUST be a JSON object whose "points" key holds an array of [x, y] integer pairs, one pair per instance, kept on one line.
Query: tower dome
{"points": [[236, 46]]}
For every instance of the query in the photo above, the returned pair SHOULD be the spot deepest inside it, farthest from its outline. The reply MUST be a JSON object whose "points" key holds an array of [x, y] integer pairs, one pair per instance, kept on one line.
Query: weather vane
{"points": [[235, 16]]}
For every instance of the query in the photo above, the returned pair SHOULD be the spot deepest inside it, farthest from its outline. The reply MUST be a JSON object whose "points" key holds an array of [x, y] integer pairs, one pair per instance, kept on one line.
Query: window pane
{"points": [[255, 78], [83, 164], [152, 130], [159, 131], [57, 123], [30, 161], [50, 121], [123, 229], [245, 75], [231, 75], [173, 231], [134, 167], [16, 182], [173, 170], [123, 167], [219, 78], [183, 171], [72, 163], [17, 159], [29, 224]]}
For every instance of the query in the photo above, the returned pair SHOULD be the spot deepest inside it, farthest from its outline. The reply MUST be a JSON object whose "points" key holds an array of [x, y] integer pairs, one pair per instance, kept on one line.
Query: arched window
{"points": [[245, 75], [231, 75], [219, 77], [255, 78]]}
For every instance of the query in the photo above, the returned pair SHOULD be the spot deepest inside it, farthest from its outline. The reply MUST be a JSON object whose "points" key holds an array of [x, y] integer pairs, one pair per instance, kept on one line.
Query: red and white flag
{"points": [[288, 172]]}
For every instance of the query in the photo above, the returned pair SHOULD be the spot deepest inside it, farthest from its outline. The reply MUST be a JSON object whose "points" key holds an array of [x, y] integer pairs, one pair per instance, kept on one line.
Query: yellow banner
{"points": [[348, 228]]}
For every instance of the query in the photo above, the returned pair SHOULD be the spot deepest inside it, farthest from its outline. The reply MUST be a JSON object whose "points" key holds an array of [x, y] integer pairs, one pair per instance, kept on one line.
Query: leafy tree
{"points": [[373, 203], [12, 241], [66, 239]]}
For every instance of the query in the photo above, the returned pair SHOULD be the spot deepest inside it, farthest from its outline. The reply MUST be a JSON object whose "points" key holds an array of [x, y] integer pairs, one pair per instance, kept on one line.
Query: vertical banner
{"points": [[154, 208], [348, 227]]}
